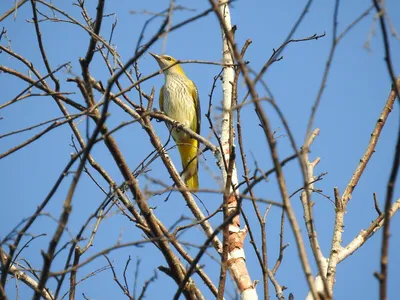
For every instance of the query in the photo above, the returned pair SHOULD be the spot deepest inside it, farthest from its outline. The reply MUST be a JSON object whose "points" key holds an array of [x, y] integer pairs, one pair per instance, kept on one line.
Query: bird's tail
{"points": [[188, 151]]}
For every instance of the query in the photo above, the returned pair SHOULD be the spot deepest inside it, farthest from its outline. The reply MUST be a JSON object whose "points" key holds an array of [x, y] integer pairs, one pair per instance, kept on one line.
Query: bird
{"points": [[179, 100]]}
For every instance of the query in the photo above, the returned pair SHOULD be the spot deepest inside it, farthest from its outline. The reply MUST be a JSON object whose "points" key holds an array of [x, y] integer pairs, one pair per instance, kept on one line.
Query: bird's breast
{"points": [[179, 104]]}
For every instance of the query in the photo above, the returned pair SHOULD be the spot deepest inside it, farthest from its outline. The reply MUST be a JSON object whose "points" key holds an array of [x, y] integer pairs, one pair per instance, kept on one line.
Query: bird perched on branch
{"points": [[179, 100]]}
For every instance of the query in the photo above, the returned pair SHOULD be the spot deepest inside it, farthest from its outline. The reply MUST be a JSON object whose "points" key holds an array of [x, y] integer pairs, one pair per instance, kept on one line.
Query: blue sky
{"points": [[357, 88]]}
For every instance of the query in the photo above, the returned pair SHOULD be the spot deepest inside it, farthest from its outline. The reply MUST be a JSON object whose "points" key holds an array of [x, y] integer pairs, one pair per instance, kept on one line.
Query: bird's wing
{"points": [[161, 98], [196, 99]]}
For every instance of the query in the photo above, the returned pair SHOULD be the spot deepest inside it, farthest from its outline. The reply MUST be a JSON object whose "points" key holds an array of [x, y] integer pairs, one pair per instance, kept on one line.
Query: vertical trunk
{"points": [[236, 261]]}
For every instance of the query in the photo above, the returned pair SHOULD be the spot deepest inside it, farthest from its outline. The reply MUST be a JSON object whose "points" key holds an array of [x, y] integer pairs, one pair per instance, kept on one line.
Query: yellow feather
{"points": [[188, 151]]}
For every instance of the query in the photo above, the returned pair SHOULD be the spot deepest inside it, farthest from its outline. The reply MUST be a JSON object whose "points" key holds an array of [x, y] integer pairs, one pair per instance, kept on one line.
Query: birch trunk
{"points": [[236, 257]]}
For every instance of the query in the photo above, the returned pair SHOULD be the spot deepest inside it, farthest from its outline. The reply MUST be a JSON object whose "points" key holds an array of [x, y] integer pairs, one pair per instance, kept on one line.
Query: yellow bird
{"points": [[179, 100]]}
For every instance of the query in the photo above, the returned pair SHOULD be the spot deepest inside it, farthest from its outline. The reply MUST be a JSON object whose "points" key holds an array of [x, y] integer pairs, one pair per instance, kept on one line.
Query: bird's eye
{"points": [[169, 58]]}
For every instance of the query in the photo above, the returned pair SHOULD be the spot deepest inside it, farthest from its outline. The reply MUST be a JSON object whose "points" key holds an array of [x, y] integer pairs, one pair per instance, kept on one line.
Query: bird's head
{"points": [[166, 61]]}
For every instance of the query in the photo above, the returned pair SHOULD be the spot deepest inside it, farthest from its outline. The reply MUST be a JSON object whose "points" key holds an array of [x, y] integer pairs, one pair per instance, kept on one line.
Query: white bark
{"points": [[356, 243], [236, 256], [227, 80]]}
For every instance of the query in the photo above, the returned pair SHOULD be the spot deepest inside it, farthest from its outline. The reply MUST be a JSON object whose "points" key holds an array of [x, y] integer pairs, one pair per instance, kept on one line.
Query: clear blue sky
{"points": [[357, 88]]}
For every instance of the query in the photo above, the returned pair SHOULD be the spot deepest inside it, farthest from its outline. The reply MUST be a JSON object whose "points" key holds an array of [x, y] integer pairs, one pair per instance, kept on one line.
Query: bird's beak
{"points": [[157, 57]]}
